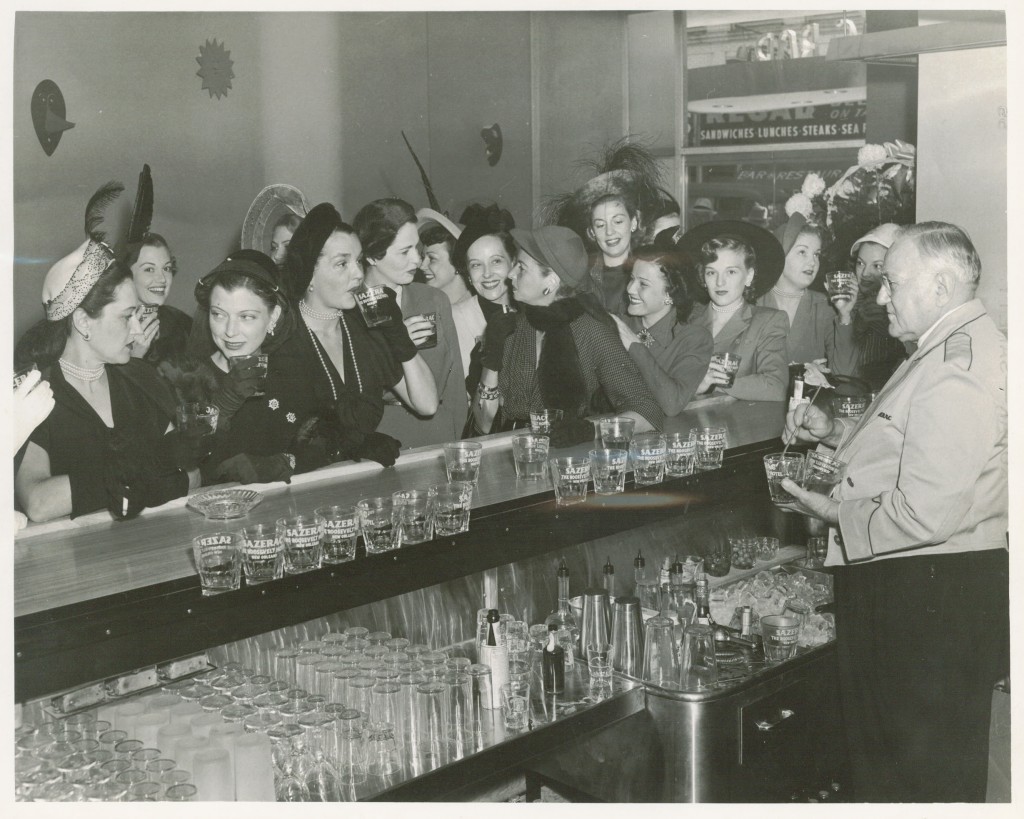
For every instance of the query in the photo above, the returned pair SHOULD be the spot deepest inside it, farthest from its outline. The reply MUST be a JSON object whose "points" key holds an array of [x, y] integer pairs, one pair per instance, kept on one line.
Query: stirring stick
{"points": [[785, 449]]}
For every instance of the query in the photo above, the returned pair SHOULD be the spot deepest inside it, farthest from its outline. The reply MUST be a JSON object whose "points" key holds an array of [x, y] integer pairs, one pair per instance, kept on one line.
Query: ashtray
{"points": [[224, 504]]}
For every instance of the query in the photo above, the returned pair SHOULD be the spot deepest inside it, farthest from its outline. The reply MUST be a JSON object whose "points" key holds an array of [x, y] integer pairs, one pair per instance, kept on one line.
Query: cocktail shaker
{"points": [[627, 636]]}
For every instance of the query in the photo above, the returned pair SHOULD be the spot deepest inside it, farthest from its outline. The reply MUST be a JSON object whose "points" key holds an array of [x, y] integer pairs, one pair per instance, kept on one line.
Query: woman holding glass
{"points": [[339, 366], [387, 232], [560, 355], [736, 263], [484, 255], [671, 355], [109, 442], [816, 330]]}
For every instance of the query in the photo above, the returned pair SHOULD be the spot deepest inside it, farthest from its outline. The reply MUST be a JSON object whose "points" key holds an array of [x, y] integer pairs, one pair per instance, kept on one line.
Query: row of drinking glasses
{"points": [[301, 543]]}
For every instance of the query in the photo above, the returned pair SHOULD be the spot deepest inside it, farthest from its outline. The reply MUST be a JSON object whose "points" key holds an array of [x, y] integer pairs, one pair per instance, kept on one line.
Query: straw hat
{"points": [[268, 208]]}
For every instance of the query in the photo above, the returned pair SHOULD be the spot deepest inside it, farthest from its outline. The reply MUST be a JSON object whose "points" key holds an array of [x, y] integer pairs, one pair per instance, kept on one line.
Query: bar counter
{"points": [[95, 597]]}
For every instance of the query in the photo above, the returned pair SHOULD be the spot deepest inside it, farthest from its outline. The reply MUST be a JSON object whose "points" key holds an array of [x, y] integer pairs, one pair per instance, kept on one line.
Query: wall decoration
{"points": [[492, 143], [215, 68], [48, 115]]}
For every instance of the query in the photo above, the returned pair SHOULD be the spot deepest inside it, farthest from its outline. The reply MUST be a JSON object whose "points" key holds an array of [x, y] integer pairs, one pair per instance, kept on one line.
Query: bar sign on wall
{"points": [[811, 123]]}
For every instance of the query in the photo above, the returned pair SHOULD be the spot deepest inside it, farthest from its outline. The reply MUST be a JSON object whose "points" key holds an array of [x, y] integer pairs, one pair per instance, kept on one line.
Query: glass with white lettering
{"points": [[777, 467], [414, 510], [730, 363], [462, 461], [680, 450], [570, 476], [541, 420], [608, 469], [373, 305], [822, 472], [711, 443], [300, 539], [648, 451], [452, 502], [849, 406], [262, 555], [530, 453], [381, 532], [339, 531], [218, 559]]}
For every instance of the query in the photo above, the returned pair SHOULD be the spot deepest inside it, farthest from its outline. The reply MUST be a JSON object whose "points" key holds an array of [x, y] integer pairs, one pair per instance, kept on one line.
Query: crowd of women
{"points": [[610, 308]]}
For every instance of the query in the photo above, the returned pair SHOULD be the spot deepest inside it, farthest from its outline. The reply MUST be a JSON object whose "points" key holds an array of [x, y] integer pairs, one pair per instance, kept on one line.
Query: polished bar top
{"points": [[65, 562]]}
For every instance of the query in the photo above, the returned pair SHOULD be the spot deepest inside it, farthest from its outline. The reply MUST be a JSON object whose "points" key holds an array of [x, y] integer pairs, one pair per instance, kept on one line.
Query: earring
{"points": [[270, 330], [668, 300], [86, 336], [547, 291], [310, 288]]}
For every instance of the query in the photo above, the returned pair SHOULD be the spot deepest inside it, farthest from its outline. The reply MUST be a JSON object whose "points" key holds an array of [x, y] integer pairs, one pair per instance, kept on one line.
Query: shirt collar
{"points": [[924, 336]]}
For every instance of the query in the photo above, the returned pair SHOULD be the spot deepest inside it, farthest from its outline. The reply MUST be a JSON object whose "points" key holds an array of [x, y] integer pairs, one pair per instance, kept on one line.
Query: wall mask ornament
{"points": [[215, 68], [48, 115], [492, 143]]}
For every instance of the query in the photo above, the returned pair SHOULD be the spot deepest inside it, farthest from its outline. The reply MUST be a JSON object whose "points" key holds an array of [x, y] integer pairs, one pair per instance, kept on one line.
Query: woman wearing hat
{"points": [[242, 313], [340, 366], [737, 262], [559, 355], [387, 231], [816, 330], [272, 219], [484, 255], [877, 353], [109, 442], [672, 356]]}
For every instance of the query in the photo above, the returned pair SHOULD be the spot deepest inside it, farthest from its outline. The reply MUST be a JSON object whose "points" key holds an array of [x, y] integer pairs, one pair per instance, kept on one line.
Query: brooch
{"points": [[645, 337]]}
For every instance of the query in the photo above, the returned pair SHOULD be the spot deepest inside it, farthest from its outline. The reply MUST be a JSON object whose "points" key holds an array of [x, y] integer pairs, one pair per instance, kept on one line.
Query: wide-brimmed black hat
{"points": [[770, 259]]}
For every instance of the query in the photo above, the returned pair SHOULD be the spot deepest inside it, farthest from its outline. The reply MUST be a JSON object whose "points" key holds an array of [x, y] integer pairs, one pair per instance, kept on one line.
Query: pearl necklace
{"points": [[727, 309], [81, 373], [318, 315], [323, 363], [782, 294]]}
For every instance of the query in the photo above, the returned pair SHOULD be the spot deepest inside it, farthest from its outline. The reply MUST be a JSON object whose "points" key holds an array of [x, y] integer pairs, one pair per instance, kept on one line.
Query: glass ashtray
{"points": [[224, 504]]}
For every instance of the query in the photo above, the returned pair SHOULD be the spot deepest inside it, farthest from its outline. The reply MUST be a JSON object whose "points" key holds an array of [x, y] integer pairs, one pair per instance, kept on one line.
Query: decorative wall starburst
{"points": [[215, 68]]}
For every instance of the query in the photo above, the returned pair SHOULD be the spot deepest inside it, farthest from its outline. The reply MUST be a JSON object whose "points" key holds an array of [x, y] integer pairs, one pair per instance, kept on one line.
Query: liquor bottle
{"points": [[797, 388], [703, 596], [639, 573], [494, 654], [608, 581], [563, 616], [553, 663], [680, 596]]}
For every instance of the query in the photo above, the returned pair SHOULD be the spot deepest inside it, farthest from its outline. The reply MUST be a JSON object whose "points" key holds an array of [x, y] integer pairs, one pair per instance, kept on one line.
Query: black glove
{"points": [[135, 479], [246, 468], [499, 328], [394, 332], [380, 448], [182, 450], [236, 386], [570, 431]]}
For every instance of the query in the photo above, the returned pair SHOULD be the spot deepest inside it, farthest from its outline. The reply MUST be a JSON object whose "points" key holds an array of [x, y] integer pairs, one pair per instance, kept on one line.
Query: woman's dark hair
{"points": [[482, 220], [378, 222], [438, 235], [150, 240], [263, 287], [673, 266], [43, 343], [306, 245], [289, 220], [709, 251]]}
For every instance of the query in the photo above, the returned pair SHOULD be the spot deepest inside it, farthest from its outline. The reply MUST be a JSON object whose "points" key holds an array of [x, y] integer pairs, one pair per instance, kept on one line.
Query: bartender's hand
{"points": [[809, 424], [812, 504], [715, 376]]}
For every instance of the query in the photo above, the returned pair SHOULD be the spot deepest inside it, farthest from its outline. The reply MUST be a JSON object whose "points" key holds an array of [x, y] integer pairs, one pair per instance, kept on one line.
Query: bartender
{"points": [[919, 533]]}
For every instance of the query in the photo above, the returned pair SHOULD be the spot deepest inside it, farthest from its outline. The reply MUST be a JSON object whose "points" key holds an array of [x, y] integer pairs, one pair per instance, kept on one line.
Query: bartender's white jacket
{"points": [[927, 462]]}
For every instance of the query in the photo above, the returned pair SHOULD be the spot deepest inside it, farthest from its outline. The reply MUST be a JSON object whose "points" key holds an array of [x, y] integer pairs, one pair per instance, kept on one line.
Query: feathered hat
{"points": [[110, 230], [626, 168]]}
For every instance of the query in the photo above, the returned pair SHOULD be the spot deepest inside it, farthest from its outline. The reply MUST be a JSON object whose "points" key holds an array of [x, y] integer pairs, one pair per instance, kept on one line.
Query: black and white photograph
{"points": [[519, 404]]}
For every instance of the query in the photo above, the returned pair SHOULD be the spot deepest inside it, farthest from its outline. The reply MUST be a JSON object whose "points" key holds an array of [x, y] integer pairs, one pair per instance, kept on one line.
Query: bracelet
{"points": [[290, 458], [487, 393]]}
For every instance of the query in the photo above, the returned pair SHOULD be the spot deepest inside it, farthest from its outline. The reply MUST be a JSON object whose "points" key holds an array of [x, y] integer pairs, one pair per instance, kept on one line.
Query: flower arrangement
{"points": [[879, 188]]}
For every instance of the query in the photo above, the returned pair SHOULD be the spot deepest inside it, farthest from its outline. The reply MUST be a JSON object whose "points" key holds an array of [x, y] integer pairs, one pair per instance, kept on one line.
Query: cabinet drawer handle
{"points": [[768, 725]]}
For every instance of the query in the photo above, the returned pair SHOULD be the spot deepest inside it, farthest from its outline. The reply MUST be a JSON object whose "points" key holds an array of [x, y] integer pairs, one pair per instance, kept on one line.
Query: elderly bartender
{"points": [[919, 533]]}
